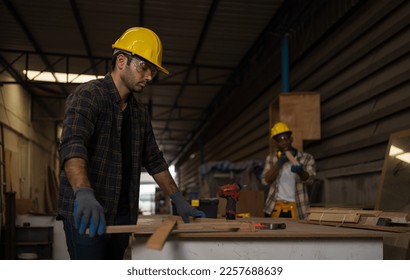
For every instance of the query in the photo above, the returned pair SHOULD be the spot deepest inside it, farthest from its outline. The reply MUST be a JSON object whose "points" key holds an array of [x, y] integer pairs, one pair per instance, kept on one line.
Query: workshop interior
{"points": [[336, 73]]}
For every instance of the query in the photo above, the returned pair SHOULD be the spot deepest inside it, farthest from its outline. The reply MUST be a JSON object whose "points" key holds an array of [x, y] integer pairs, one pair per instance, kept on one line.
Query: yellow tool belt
{"points": [[284, 209]]}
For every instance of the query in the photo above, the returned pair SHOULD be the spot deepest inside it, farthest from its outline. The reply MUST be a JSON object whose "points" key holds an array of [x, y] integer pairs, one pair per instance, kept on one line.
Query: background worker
{"points": [[287, 181], [107, 139]]}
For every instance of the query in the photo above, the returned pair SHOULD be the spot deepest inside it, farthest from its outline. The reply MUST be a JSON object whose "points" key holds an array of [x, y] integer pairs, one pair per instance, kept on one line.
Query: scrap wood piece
{"points": [[160, 235], [120, 229], [334, 217], [396, 217], [360, 226], [203, 220], [369, 213], [199, 226], [213, 226], [291, 158], [144, 225], [375, 221]]}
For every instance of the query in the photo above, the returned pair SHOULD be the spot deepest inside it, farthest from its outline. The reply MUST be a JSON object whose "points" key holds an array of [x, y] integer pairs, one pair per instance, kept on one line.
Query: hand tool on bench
{"points": [[270, 226]]}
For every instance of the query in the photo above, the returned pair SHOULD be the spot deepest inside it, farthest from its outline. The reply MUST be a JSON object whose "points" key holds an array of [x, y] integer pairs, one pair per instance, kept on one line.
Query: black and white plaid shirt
{"points": [[92, 131]]}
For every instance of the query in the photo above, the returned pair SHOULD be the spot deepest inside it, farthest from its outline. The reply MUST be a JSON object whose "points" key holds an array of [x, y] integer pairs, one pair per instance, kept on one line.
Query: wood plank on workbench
{"points": [[294, 229], [395, 217], [160, 235], [199, 225], [370, 213], [334, 217], [396, 229]]}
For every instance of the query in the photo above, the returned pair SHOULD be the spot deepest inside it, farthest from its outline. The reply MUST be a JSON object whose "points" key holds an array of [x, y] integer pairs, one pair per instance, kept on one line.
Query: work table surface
{"points": [[294, 229]]}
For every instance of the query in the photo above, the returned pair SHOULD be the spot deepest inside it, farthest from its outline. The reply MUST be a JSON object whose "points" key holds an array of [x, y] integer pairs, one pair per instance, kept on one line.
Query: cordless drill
{"points": [[231, 193]]}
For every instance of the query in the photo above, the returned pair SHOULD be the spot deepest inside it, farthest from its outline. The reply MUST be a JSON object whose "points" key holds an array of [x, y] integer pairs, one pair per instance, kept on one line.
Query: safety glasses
{"points": [[282, 137], [143, 66]]}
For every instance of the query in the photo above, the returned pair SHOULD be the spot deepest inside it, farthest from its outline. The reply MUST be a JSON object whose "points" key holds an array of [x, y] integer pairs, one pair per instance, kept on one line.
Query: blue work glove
{"points": [[184, 209], [88, 212], [297, 168], [282, 159]]}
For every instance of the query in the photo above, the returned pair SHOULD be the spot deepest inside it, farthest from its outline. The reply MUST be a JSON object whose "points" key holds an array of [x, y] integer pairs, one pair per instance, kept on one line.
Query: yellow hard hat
{"points": [[142, 42], [279, 128]]}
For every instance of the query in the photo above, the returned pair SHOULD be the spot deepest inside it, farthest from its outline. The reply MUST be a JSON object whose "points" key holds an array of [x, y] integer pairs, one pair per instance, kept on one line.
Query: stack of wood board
{"points": [[358, 218]]}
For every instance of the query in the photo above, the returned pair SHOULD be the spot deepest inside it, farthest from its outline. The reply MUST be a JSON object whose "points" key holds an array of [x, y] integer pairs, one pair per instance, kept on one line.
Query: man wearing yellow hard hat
{"points": [[107, 139], [287, 173]]}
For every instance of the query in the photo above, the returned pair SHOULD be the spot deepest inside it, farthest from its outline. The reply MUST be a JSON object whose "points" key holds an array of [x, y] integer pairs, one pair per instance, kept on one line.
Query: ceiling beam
{"points": [[280, 23], [18, 77], [163, 81], [198, 47], [141, 12], [30, 36], [71, 55], [84, 36]]}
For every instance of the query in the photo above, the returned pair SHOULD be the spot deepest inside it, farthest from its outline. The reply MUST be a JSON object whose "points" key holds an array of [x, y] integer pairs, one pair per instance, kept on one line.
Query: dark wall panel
{"points": [[356, 54]]}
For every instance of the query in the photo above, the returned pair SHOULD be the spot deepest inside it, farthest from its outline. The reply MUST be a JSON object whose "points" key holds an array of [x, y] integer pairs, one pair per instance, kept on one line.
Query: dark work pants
{"points": [[105, 247]]}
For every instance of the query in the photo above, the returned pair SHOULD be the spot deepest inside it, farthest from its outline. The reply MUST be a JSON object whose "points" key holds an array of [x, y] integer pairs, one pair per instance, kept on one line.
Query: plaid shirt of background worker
{"points": [[301, 195]]}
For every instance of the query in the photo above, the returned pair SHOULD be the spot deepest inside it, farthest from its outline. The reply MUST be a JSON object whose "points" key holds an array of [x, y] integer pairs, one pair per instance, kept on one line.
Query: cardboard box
{"points": [[23, 206], [251, 202]]}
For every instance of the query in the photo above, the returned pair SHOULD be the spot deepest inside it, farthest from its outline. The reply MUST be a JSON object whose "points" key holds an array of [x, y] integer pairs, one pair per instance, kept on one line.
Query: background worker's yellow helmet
{"points": [[279, 128], [142, 42]]}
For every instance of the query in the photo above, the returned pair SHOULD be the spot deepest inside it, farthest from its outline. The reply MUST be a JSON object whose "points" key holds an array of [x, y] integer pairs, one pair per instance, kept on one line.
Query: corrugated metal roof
{"points": [[204, 42]]}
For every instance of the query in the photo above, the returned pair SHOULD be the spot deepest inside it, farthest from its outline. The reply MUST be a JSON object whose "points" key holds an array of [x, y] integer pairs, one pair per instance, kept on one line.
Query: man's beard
{"points": [[137, 91]]}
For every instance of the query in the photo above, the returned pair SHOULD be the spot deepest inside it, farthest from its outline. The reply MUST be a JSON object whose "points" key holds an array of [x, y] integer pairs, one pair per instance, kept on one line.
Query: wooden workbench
{"points": [[298, 241]]}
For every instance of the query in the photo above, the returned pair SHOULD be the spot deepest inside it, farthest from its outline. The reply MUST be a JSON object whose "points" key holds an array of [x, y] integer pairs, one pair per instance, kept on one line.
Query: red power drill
{"points": [[231, 193]]}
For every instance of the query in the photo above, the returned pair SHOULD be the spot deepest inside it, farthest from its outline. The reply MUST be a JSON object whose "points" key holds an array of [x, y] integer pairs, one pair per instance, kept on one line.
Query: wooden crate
{"points": [[301, 111]]}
